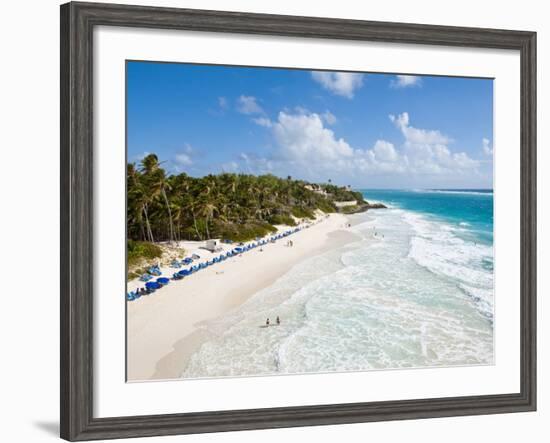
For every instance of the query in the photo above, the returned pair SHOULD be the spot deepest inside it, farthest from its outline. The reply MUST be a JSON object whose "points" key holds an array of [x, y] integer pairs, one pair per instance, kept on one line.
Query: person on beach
{"points": [[267, 322], [278, 320]]}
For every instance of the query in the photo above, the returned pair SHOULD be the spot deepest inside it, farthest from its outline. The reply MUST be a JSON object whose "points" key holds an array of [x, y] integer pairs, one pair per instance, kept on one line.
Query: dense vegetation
{"points": [[138, 250], [238, 207], [340, 193], [349, 209]]}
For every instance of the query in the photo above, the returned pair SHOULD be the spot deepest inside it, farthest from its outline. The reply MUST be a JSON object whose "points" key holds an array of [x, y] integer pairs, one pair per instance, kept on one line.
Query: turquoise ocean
{"points": [[415, 290]]}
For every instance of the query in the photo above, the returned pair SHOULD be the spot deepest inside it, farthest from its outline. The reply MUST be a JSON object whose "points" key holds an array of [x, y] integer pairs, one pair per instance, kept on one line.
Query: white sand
{"points": [[162, 327]]}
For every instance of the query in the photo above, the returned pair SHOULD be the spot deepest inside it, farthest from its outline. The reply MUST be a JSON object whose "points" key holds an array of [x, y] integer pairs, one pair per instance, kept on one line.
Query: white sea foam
{"points": [[410, 299], [437, 248], [451, 191]]}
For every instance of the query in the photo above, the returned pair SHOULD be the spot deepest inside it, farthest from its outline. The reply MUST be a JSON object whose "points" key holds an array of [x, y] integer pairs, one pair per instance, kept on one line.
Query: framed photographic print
{"points": [[273, 221]]}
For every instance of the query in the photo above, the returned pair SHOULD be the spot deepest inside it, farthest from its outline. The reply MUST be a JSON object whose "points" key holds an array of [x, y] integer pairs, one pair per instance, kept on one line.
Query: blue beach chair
{"points": [[154, 270], [152, 286]]}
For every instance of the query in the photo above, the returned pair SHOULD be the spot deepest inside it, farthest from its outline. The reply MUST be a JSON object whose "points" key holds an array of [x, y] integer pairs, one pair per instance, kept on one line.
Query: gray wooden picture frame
{"points": [[77, 23]]}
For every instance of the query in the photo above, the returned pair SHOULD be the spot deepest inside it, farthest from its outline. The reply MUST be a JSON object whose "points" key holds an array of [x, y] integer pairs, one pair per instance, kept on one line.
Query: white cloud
{"points": [[184, 158], [247, 104], [263, 121], [385, 151], [486, 145], [419, 136], [304, 137], [329, 118], [427, 150], [404, 81], [223, 103], [256, 164], [340, 83], [232, 166], [304, 146]]}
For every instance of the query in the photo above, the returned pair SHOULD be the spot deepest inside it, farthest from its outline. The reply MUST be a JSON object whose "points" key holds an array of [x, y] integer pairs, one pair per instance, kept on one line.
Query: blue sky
{"points": [[367, 130]]}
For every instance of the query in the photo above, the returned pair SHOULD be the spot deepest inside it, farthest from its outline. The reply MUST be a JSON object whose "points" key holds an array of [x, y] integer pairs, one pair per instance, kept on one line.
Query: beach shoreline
{"points": [[164, 329]]}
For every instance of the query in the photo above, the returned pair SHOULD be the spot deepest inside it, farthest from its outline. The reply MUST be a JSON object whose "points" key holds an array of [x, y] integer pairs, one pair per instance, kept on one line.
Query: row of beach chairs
{"points": [[153, 285]]}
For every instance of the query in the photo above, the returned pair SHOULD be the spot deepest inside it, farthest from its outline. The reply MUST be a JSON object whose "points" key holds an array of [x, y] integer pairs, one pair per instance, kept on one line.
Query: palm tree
{"points": [[138, 201], [150, 232], [163, 186], [162, 206], [208, 209], [192, 209], [158, 185]]}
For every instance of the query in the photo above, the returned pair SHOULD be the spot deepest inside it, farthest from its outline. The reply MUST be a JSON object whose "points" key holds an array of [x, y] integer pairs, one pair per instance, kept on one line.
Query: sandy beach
{"points": [[164, 328]]}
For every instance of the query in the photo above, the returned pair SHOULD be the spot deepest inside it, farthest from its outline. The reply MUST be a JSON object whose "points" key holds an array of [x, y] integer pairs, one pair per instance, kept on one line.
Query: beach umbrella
{"points": [[152, 285], [163, 280]]}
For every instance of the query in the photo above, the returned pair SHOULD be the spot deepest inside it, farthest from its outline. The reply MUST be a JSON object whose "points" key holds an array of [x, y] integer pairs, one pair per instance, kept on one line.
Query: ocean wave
{"points": [[482, 297], [436, 247], [410, 299], [488, 193], [382, 311]]}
